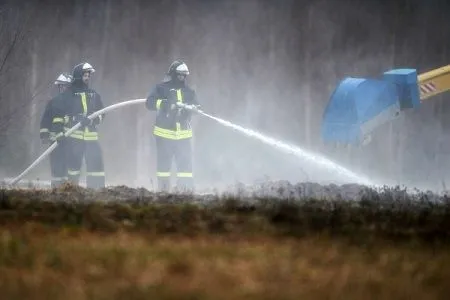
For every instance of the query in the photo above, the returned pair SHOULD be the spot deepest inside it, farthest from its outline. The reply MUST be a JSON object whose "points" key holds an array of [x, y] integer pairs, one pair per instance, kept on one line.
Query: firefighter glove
{"points": [[97, 120], [85, 121], [44, 135], [60, 137], [45, 140], [196, 108]]}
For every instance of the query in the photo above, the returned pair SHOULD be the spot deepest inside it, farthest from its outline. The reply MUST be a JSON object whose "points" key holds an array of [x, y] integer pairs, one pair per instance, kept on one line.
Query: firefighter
{"points": [[50, 128], [172, 129], [81, 102]]}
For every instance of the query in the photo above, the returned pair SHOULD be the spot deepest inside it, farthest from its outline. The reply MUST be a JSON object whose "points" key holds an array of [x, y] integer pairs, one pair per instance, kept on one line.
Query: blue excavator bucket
{"points": [[359, 105]]}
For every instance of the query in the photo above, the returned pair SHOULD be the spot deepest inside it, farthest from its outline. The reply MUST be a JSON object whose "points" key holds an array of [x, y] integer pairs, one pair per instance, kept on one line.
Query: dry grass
{"points": [[64, 245], [43, 263]]}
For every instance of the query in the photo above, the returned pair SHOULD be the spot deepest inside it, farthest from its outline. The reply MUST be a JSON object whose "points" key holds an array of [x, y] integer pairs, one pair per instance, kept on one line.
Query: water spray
{"points": [[248, 132], [286, 148]]}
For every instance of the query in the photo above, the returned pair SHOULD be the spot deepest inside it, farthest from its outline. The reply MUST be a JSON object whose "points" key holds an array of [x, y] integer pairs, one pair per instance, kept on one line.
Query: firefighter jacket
{"points": [[46, 121], [80, 100], [53, 118], [174, 124]]}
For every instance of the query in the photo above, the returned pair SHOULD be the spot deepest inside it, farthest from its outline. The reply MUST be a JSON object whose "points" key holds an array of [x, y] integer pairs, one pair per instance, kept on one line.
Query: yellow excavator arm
{"points": [[434, 82]]}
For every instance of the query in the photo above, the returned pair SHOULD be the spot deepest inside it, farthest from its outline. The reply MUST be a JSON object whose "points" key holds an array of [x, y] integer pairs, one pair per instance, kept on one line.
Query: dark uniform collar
{"points": [[78, 86], [176, 84]]}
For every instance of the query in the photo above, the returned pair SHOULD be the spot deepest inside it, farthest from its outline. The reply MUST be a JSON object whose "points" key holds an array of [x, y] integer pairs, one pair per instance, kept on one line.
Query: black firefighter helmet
{"points": [[178, 67], [80, 69]]}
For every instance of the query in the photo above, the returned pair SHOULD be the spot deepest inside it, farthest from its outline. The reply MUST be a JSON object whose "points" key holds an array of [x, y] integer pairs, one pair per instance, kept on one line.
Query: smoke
{"points": [[263, 65]]}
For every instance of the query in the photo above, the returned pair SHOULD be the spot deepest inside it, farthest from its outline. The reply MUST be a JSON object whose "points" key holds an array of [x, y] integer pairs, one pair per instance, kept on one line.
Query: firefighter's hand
{"points": [[95, 122], [44, 135], [196, 108], [60, 137], [45, 141], [189, 107], [85, 121], [45, 138], [182, 106]]}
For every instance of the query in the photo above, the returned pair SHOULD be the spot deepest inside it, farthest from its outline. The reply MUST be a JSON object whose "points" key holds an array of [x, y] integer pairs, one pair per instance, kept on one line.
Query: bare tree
{"points": [[15, 33]]}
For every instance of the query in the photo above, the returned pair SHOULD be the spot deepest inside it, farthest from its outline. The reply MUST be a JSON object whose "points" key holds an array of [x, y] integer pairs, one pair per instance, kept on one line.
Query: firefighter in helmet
{"points": [[82, 101], [172, 129], [51, 129]]}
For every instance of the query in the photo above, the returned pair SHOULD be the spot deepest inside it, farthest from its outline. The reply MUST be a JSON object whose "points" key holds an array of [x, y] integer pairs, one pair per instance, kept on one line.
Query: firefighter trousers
{"points": [[58, 164], [180, 151], [93, 157]]}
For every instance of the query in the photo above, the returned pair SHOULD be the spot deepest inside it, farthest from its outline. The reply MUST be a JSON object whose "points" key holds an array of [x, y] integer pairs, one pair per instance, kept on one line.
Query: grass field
{"points": [[75, 244]]}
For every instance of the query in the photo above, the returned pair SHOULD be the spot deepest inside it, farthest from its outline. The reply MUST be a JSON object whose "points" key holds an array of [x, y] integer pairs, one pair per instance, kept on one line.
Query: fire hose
{"points": [[194, 109], [91, 117], [70, 131]]}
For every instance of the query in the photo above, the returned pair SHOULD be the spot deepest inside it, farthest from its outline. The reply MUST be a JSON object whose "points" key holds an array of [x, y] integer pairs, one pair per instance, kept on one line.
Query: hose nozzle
{"points": [[191, 107]]}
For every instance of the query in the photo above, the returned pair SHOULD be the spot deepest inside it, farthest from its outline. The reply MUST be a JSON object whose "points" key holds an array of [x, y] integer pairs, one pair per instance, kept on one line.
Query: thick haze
{"points": [[267, 65]]}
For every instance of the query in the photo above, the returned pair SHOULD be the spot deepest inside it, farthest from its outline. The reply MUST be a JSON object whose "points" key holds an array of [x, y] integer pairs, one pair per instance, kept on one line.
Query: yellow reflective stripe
{"points": [[84, 135], [94, 138], [91, 133], [74, 172], [163, 130], [86, 138], [179, 96], [172, 134], [158, 103], [171, 137], [167, 136], [43, 130], [76, 136], [96, 174], [184, 134], [184, 175], [163, 174], [90, 136], [58, 120], [83, 103]]}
